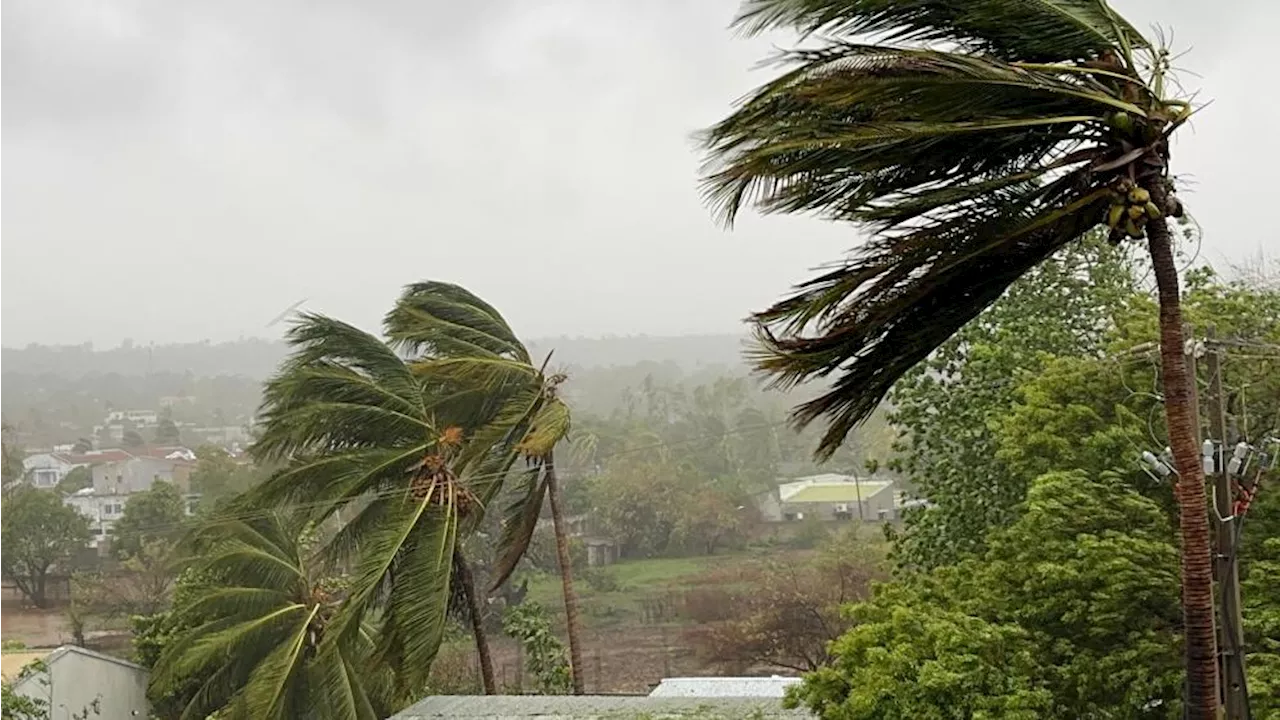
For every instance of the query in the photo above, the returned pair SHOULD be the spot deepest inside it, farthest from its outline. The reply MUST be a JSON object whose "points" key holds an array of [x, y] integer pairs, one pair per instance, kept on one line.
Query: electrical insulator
{"points": [[1155, 464], [1236, 465], [1206, 454]]}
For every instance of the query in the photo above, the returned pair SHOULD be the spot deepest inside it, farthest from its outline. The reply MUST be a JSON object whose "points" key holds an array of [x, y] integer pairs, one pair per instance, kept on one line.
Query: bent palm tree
{"points": [[358, 437], [256, 636], [509, 409], [969, 165]]}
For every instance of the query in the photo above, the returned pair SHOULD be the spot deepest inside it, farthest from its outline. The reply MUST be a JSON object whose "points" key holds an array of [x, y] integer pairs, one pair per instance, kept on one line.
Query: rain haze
{"points": [[177, 171]]}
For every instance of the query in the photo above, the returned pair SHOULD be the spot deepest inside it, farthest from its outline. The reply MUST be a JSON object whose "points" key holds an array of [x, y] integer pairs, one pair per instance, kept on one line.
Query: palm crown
{"points": [[255, 634], [973, 140]]}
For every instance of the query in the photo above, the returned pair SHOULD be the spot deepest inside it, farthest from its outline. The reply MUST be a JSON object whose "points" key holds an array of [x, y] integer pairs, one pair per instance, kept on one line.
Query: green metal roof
{"points": [[597, 707], [836, 492]]}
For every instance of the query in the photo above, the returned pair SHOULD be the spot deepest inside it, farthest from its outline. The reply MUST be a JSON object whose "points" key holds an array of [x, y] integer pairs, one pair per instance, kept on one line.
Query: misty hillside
{"points": [[256, 358]]}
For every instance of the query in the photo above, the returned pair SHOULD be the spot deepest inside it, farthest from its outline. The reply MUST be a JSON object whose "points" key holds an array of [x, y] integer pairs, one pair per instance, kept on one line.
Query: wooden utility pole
{"points": [[1230, 632]]}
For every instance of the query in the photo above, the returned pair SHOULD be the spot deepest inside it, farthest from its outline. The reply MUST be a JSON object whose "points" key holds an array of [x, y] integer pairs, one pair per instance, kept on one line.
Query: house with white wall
{"points": [[118, 474], [45, 470]]}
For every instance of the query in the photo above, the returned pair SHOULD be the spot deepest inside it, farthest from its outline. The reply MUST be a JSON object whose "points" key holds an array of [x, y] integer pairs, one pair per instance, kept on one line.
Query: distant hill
{"points": [[257, 358]]}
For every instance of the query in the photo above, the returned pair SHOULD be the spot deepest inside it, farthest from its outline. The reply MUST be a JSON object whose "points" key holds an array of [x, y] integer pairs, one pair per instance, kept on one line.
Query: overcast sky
{"points": [[178, 170]]}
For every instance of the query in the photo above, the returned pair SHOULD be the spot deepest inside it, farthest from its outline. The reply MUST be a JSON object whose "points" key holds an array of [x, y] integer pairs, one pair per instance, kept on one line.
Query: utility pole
{"points": [[1230, 631]]}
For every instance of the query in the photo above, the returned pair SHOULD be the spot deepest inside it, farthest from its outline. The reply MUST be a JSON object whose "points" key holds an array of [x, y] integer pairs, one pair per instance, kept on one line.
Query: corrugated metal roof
{"points": [[595, 707], [713, 687]]}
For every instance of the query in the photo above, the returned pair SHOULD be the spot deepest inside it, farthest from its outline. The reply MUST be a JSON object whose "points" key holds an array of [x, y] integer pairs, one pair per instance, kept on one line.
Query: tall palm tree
{"points": [[256, 634], [356, 434], [508, 407], [972, 139]]}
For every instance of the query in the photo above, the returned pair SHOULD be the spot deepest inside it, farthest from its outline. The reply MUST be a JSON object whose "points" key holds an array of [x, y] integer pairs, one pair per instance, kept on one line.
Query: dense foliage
{"points": [[1070, 612], [41, 536]]}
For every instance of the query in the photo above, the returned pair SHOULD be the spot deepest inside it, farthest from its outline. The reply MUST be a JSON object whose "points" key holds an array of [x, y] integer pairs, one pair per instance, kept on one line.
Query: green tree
{"points": [[155, 514], [11, 456], [40, 536], [485, 381], [949, 406], [528, 624], [78, 478], [132, 439], [218, 477], [974, 142], [259, 637], [167, 432], [1072, 611]]}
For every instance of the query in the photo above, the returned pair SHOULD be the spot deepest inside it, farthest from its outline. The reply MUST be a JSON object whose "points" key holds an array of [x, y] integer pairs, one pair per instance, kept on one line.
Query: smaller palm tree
{"points": [[256, 636], [482, 378]]}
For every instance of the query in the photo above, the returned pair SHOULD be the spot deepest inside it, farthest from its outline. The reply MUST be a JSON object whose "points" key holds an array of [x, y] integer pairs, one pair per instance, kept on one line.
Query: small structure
{"points": [[75, 679], [596, 707], [714, 687], [829, 496]]}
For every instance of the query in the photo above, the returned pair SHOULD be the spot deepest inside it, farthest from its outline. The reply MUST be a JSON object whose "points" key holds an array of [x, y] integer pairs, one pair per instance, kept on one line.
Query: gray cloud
{"points": [[183, 170]]}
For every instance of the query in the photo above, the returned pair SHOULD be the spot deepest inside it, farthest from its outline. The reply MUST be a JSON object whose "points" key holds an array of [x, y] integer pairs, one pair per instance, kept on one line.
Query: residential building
{"points": [[47, 469], [122, 472], [593, 707], [118, 474], [139, 418], [829, 496], [102, 510], [76, 679]]}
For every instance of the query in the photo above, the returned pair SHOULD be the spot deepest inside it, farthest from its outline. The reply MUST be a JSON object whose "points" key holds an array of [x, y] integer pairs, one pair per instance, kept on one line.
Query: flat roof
{"points": [[595, 707]]}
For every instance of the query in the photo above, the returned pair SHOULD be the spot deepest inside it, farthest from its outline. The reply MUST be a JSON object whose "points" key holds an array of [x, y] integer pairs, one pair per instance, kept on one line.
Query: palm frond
{"points": [[274, 689], [439, 319], [856, 128], [404, 576], [1031, 30], [338, 690], [519, 520], [340, 388]]}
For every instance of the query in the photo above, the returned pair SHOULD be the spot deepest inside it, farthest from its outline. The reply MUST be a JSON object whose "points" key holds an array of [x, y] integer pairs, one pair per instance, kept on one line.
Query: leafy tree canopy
{"points": [[1071, 611], [40, 536]]}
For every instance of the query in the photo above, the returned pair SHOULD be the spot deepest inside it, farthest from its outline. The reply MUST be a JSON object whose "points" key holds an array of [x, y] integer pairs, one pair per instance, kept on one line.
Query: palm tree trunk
{"points": [[1193, 511], [566, 574], [468, 582]]}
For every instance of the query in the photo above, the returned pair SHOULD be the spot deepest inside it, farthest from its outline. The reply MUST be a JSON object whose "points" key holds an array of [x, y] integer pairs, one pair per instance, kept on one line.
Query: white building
{"points": [[140, 418], [103, 510], [75, 680], [118, 474], [46, 470]]}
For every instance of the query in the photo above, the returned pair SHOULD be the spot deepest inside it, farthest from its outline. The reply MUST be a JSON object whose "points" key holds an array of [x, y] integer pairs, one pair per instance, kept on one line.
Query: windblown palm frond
{"points": [[257, 637], [967, 166], [1028, 30], [482, 379]]}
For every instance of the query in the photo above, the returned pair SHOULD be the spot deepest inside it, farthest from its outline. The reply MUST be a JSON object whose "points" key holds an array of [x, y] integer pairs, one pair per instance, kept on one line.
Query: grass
{"points": [[638, 581]]}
